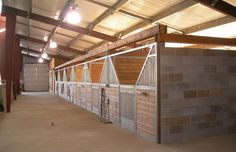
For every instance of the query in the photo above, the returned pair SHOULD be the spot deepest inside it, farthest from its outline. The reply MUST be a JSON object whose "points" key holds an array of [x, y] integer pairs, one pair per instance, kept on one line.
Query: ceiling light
{"points": [[40, 60], [73, 16], [45, 38], [53, 44], [2, 30], [44, 55]]}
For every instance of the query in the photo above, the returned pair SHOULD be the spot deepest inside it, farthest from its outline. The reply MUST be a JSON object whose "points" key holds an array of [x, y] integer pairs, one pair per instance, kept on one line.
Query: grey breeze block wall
{"points": [[198, 93]]}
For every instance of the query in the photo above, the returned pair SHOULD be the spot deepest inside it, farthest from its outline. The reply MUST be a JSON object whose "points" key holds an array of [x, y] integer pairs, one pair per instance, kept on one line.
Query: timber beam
{"points": [[219, 5]]}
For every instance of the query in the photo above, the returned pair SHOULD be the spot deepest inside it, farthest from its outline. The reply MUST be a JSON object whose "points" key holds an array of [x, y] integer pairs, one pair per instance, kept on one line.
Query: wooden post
{"points": [[10, 36], [162, 30], [16, 67]]}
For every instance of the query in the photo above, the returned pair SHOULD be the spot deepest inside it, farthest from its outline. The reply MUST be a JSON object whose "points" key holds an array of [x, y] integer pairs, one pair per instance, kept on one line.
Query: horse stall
{"points": [[146, 97], [51, 81], [128, 65], [110, 84], [72, 86], [95, 70], [85, 83], [61, 84], [63, 93], [78, 73], [67, 86], [57, 83]]}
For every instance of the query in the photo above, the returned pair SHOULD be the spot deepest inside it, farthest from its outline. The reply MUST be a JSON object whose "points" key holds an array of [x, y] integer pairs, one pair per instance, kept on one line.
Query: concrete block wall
{"points": [[146, 114], [198, 93]]}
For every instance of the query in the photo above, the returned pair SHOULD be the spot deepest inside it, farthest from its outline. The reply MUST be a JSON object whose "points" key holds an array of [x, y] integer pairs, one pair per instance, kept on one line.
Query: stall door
{"points": [[36, 77], [127, 109]]}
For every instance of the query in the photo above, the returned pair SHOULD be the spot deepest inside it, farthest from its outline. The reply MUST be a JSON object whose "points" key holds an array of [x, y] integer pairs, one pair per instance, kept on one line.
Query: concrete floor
{"points": [[41, 122]]}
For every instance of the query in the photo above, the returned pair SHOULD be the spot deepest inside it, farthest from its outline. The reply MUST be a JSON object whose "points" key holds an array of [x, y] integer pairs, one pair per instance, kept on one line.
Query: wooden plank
{"points": [[177, 38]]}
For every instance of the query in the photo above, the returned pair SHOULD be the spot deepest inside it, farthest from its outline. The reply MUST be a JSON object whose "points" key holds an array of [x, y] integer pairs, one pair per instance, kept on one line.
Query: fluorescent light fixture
{"points": [[44, 55], [40, 60], [2, 30], [53, 44], [73, 16]]}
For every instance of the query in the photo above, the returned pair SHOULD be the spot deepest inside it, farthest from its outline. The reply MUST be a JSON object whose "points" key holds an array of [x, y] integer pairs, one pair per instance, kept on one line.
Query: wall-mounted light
{"points": [[44, 55], [53, 44], [73, 16], [2, 30], [40, 60]]}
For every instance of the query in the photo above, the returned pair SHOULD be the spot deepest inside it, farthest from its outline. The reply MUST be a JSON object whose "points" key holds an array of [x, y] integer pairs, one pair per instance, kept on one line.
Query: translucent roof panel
{"points": [[91, 39], [67, 32], [82, 44], [21, 29], [225, 31], [191, 16], [62, 40], [87, 11], [42, 25], [48, 8], [38, 33], [149, 8], [117, 23]]}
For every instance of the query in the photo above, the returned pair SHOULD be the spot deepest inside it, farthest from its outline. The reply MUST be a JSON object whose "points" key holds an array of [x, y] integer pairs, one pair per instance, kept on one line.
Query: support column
{"points": [[162, 30], [10, 37], [16, 67]]}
